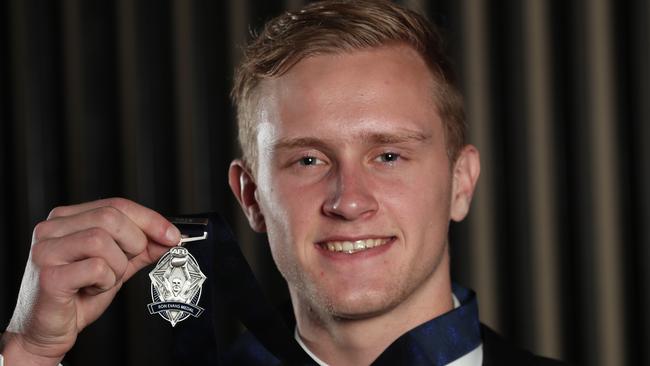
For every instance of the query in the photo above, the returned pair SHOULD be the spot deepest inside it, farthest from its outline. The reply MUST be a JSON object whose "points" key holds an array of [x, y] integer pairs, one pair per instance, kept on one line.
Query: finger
{"points": [[93, 274], [78, 246], [126, 233], [151, 255], [152, 223]]}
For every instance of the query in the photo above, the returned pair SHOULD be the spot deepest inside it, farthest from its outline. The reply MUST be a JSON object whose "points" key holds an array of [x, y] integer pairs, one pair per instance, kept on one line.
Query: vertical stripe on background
{"points": [[133, 171], [138, 135], [542, 191], [19, 175], [239, 31], [28, 133], [475, 68], [189, 195], [192, 126], [642, 139], [129, 101], [603, 165], [8, 272], [238, 23], [18, 74], [74, 100]]}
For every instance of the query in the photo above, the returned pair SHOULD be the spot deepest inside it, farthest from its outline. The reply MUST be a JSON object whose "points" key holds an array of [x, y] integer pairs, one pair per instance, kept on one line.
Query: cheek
{"points": [[285, 204], [419, 201], [291, 217], [291, 212]]}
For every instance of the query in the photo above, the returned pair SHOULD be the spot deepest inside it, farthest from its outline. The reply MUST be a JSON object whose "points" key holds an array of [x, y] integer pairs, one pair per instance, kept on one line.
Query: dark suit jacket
{"points": [[497, 351]]}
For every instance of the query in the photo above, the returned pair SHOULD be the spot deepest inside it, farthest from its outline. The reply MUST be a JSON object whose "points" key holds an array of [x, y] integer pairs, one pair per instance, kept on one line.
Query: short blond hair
{"points": [[337, 26]]}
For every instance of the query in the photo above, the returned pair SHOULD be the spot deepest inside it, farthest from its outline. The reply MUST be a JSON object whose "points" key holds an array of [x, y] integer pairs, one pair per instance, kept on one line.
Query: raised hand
{"points": [[80, 257]]}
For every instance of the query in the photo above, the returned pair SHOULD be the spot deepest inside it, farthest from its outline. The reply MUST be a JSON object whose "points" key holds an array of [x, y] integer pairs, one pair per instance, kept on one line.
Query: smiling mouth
{"points": [[351, 247]]}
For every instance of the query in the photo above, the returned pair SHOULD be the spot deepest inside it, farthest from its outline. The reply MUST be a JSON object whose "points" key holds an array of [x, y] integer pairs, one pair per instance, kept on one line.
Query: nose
{"points": [[352, 196]]}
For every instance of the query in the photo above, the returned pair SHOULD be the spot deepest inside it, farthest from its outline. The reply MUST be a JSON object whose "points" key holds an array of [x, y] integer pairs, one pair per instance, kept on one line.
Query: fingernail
{"points": [[172, 234]]}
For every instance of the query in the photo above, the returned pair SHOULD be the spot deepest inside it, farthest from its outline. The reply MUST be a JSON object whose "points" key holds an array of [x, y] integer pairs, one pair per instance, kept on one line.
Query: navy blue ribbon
{"points": [[441, 340]]}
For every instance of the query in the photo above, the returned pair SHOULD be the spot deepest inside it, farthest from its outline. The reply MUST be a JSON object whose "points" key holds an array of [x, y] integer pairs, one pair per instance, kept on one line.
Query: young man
{"points": [[354, 163]]}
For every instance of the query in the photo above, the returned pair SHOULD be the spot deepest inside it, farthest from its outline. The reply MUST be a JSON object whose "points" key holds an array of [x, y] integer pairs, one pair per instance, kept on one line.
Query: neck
{"points": [[339, 341]]}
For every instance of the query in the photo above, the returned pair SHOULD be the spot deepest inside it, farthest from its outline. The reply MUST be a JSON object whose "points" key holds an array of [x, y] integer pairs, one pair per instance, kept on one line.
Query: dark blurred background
{"points": [[130, 98]]}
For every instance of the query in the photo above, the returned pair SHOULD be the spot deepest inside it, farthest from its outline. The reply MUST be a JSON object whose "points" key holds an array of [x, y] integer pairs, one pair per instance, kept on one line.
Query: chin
{"points": [[364, 306]]}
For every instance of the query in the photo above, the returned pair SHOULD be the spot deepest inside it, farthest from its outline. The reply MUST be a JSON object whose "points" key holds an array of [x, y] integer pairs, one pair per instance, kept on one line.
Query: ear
{"points": [[465, 174], [244, 188]]}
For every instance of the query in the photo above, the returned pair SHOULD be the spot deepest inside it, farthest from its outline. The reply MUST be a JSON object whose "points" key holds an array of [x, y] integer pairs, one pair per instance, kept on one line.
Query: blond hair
{"points": [[337, 26]]}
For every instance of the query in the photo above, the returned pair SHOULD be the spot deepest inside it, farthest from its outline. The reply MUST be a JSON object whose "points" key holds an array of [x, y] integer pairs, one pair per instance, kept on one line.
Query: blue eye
{"points": [[388, 157]]}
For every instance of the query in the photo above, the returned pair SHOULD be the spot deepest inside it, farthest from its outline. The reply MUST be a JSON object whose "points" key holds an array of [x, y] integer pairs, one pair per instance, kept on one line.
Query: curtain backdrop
{"points": [[130, 98]]}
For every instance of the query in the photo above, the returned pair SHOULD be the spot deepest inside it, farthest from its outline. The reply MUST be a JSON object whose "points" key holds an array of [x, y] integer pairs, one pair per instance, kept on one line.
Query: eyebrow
{"points": [[368, 138], [389, 138]]}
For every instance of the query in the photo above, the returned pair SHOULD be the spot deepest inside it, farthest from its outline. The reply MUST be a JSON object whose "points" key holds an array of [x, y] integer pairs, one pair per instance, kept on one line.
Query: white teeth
{"points": [[355, 246]]}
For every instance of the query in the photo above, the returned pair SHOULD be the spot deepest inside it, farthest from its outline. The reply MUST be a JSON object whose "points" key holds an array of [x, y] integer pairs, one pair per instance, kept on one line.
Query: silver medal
{"points": [[176, 284]]}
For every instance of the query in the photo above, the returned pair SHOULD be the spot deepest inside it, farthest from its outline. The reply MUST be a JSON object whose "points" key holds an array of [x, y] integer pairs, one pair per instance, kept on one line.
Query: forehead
{"points": [[350, 94]]}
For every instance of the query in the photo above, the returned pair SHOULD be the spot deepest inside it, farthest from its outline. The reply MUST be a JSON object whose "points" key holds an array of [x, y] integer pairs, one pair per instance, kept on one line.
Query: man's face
{"points": [[176, 285], [353, 182]]}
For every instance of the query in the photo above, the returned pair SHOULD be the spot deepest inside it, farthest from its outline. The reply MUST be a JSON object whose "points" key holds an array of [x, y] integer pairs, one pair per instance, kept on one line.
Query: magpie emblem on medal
{"points": [[176, 286]]}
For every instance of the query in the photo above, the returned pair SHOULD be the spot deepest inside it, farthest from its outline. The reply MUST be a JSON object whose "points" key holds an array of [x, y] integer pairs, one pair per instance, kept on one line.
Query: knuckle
{"points": [[57, 212], [108, 275], [108, 216], [98, 267], [96, 237], [41, 231], [139, 243], [118, 203]]}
